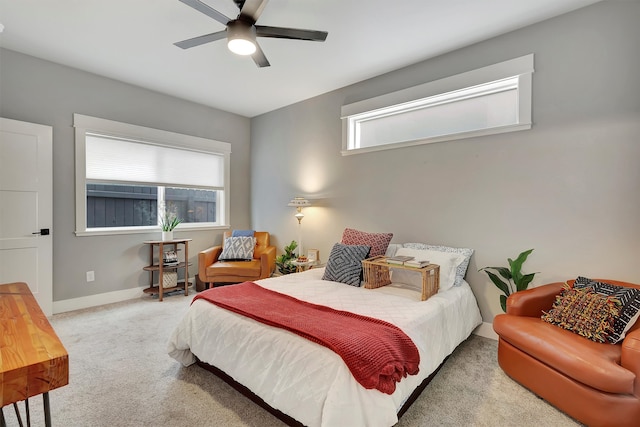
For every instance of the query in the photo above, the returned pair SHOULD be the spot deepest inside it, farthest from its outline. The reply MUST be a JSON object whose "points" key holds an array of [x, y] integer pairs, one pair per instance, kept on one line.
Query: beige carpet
{"points": [[120, 375]]}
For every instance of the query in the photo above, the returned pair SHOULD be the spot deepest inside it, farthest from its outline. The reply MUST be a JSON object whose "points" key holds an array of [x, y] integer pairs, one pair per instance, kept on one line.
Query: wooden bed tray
{"points": [[290, 421]]}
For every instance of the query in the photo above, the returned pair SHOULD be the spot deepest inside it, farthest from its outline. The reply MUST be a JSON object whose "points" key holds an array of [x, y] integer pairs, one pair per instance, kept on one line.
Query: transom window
{"points": [[128, 177], [489, 100]]}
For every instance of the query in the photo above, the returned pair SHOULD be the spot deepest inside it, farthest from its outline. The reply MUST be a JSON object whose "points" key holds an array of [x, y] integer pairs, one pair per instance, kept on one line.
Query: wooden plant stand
{"points": [[158, 265]]}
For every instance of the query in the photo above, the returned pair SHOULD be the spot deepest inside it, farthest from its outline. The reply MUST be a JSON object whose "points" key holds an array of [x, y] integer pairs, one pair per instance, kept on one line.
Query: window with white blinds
{"points": [[128, 176]]}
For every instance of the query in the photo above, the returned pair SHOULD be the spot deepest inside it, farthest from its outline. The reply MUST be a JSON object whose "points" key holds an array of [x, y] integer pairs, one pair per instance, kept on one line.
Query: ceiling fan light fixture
{"points": [[241, 46], [241, 32], [241, 38]]}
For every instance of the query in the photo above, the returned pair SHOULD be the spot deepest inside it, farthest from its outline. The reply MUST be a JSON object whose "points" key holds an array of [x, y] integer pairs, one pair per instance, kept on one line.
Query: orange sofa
{"points": [[597, 384], [211, 271]]}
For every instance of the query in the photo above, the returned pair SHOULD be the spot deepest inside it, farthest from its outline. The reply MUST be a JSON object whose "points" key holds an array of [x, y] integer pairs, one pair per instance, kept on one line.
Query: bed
{"points": [[308, 382]]}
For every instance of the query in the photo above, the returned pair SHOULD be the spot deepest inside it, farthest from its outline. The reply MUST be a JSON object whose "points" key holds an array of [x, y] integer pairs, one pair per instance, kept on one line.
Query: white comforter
{"points": [[308, 381]]}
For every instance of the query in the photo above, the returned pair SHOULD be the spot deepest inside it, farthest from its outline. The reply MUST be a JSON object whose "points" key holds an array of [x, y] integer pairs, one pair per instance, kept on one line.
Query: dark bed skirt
{"points": [[288, 420]]}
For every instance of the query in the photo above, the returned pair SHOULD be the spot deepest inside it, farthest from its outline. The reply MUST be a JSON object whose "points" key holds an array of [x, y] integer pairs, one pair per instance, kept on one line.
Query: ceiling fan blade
{"points": [[207, 10], [197, 41], [290, 33], [259, 58], [252, 9]]}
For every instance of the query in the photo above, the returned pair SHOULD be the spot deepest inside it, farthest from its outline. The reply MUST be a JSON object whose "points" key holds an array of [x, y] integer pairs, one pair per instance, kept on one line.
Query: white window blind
{"points": [[118, 160]]}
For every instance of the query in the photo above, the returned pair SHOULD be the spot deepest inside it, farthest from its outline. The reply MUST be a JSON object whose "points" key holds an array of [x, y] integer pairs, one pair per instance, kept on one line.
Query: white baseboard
{"points": [[486, 330], [101, 299], [96, 300]]}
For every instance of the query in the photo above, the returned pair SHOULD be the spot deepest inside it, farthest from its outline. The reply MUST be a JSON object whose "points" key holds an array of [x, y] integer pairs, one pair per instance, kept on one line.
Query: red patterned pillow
{"points": [[379, 242]]}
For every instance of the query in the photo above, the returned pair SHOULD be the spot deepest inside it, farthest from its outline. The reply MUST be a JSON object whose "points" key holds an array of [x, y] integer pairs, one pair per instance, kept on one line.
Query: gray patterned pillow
{"points": [[462, 268], [345, 263], [238, 249]]}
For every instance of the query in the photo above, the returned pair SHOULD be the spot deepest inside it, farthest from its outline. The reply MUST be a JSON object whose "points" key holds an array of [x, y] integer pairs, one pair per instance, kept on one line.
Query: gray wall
{"points": [[42, 92], [567, 188]]}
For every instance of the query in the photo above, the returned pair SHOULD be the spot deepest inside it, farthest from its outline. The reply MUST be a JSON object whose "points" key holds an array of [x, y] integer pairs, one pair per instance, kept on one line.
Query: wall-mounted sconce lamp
{"points": [[299, 203]]}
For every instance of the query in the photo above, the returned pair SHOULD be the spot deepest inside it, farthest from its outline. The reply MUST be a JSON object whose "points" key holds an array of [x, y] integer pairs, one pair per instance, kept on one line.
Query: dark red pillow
{"points": [[379, 242]]}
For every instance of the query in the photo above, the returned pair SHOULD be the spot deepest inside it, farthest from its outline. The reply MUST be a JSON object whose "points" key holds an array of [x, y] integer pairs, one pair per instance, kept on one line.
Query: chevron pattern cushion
{"points": [[628, 297], [345, 263], [238, 249]]}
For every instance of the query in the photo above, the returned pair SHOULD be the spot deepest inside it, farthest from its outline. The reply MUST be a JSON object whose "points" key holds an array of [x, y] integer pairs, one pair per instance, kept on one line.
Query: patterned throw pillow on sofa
{"points": [[584, 312], [628, 297], [238, 249]]}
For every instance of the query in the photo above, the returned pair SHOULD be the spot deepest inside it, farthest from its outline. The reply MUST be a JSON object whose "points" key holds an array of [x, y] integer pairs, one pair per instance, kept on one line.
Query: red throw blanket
{"points": [[378, 353]]}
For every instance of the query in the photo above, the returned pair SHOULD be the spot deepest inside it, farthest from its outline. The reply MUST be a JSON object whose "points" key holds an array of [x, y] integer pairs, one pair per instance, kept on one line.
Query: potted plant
{"points": [[283, 262], [515, 280], [168, 221]]}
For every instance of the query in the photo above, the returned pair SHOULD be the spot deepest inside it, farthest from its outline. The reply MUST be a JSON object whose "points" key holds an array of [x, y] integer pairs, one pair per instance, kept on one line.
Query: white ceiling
{"points": [[132, 41]]}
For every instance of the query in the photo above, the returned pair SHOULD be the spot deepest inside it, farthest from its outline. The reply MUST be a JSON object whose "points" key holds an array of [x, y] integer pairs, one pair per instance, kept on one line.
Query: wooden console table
{"points": [[32, 359], [158, 265]]}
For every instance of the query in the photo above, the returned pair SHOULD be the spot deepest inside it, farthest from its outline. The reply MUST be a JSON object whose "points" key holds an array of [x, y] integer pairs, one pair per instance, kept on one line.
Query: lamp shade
{"points": [[299, 202]]}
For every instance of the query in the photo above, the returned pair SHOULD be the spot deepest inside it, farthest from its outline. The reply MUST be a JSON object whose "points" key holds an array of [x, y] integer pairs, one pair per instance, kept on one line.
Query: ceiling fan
{"points": [[242, 31]]}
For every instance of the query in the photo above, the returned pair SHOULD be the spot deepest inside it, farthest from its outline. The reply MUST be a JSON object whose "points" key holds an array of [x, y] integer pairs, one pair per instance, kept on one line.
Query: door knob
{"points": [[42, 232]]}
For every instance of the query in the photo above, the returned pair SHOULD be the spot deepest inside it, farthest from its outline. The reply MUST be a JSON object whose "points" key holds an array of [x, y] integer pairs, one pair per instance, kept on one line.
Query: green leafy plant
{"points": [[169, 219], [283, 262], [515, 280]]}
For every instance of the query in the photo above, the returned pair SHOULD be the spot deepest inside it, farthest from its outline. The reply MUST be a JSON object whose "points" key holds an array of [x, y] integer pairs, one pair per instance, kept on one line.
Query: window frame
{"points": [[405, 101], [92, 125]]}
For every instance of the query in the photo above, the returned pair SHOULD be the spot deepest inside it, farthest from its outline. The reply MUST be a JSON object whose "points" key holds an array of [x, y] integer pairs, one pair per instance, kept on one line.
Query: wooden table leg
{"points": [[186, 268], [160, 271]]}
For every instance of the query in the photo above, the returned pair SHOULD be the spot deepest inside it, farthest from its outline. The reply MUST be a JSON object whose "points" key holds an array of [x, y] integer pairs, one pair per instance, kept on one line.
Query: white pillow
{"points": [[448, 262], [392, 248], [462, 268]]}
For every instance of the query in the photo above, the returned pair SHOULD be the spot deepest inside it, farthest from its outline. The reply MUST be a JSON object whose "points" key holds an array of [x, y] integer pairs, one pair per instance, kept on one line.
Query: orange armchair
{"points": [[211, 270], [597, 384]]}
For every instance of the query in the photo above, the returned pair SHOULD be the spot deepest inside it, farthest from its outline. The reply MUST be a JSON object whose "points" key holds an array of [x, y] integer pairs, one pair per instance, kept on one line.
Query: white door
{"points": [[26, 208]]}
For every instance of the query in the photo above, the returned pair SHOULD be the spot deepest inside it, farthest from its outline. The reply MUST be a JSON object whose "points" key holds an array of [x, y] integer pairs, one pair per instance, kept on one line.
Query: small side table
{"points": [[302, 265], [376, 275], [306, 265], [161, 268]]}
